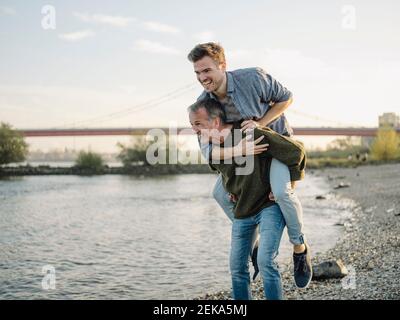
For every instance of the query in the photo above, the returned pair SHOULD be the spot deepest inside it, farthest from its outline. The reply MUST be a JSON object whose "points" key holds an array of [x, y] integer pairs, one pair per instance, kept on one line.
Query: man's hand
{"points": [[249, 124], [247, 147], [232, 198]]}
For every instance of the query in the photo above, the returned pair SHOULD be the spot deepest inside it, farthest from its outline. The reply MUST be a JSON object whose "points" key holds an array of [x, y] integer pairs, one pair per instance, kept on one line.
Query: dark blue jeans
{"points": [[271, 224]]}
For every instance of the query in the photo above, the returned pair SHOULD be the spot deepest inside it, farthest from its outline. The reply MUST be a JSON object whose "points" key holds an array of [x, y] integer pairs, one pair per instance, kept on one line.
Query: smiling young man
{"points": [[253, 208], [255, 98]]}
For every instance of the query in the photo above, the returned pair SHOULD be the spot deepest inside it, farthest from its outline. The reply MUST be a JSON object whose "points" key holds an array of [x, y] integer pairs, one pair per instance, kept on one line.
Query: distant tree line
{"points": [[14, 149]]}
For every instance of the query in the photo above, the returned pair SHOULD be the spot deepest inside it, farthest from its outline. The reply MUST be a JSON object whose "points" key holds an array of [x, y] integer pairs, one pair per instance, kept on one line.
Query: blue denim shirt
{"points": [[253, 91]]}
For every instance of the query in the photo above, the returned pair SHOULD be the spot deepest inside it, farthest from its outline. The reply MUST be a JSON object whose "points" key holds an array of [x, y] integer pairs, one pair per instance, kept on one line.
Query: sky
{"points": [[123, 63]]}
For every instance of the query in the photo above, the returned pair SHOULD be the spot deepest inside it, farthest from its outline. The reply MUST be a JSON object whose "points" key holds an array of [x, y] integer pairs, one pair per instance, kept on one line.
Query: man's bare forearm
{"points": [[274, 112], [246, 147]]}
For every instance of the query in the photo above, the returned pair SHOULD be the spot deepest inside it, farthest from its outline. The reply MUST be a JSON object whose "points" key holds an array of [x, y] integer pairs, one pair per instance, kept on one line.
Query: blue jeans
{"points": [[284, 197], [271, 224]]}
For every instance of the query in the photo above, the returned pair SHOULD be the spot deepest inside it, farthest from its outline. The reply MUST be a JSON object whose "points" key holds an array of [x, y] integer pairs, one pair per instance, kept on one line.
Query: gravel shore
{"points": [[369, 246]]}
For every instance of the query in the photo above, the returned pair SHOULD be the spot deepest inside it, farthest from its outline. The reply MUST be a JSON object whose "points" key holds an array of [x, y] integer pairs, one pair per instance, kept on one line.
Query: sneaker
{"points": [[254, 260], [302, 268]]}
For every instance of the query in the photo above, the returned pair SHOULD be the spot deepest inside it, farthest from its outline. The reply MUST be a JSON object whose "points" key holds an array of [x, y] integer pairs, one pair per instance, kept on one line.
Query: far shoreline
{"points": [[140, 170], [161, 169]]}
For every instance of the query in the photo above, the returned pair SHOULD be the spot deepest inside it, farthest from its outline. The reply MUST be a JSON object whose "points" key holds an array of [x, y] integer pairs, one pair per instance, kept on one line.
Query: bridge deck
{"points": [[305, 131]]}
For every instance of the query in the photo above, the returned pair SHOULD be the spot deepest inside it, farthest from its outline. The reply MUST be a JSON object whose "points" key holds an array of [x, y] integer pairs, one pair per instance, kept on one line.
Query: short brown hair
{"points": [[211, 49]]}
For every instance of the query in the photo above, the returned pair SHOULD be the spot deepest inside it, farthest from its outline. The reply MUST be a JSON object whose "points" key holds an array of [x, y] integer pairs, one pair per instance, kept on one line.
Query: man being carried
{"points": [[256, 99]]}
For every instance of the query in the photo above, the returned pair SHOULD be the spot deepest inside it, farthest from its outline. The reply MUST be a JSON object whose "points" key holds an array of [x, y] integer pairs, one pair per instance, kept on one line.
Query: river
{"points": [[125, 237]]}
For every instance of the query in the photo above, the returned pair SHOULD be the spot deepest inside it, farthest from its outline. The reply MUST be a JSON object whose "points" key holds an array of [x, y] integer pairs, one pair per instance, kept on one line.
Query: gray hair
{"points": [[213, 108]]}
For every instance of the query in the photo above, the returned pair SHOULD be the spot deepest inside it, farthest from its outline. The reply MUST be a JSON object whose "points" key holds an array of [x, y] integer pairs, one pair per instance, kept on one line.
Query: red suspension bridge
{"points": [[337, 129], [301, 131]]}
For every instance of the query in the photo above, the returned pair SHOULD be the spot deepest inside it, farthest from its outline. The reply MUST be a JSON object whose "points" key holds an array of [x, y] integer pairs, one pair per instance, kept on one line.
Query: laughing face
{"points": [[207, 129], [210, 74]]}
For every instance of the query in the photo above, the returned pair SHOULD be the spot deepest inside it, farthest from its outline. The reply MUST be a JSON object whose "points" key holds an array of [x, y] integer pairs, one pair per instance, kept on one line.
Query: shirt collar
{"points": [[230, 86]]}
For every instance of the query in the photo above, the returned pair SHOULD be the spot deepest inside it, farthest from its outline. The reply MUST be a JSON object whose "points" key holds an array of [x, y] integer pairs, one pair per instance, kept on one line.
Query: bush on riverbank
{"points": [[13, 147], [386, 145], [134, 154], [90, 162], [348, 152], [342, 148]]}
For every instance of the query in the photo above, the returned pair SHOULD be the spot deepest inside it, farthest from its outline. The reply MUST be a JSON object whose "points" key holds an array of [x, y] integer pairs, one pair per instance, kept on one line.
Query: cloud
{"points": [[238, 54], [7, 11], [160, 27], [155, 47], [76, 36], [285, 62], [115, 21], [205, 36]]}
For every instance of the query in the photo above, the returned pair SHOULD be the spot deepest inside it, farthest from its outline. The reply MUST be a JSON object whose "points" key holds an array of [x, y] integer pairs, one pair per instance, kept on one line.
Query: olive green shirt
{"points": [[252, 190]]}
